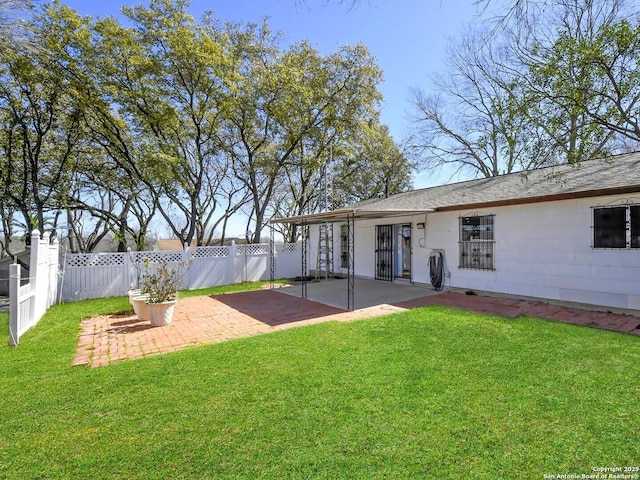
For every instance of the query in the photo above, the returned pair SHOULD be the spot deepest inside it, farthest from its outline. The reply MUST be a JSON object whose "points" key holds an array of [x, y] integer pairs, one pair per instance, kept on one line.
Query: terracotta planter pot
{"points": [[140, 307], [161, 314]]}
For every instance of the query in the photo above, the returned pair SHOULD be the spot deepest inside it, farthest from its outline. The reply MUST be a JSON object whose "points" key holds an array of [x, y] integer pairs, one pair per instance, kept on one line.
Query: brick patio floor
{"points": [[108, 339]]}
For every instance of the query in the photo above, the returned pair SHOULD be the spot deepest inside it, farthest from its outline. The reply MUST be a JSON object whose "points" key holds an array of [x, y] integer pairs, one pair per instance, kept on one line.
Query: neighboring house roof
{"points": [[24, 258], [171, 244], [174, 244], [615, 175]]}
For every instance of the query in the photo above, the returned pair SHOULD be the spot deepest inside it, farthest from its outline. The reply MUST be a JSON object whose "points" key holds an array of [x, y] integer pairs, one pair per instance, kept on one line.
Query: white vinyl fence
{"points": [[29, 302], [112, 274]]}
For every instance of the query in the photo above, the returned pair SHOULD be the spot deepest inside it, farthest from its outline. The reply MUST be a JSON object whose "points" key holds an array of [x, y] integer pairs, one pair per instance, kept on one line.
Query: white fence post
{"points": [[127, 269], [14, 305], [40, 279], [232, 262], [28, 303], [54, 264], [34, 276], [185, 268], [33, 273]]}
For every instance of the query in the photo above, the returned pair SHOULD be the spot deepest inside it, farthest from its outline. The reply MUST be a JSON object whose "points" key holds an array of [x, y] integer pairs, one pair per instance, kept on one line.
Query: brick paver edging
{"points": [[513, 308], [107, 339]]}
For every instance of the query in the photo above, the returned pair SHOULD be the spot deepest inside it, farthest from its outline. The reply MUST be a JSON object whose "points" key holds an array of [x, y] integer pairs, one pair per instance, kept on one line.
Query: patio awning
{"points": [[357, 213]]}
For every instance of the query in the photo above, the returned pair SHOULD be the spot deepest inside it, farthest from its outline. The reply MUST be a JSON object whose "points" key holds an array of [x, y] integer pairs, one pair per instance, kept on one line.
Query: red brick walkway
{"points": [[200, 320], [513, 307]]}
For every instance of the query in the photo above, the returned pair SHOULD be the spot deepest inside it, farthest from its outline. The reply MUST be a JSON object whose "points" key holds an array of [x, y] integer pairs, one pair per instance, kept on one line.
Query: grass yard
{"points": [[430, 393], [233, 288]]}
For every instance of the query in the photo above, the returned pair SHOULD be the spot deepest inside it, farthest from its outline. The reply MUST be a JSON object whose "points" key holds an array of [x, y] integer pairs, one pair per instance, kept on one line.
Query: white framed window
{"points": [[477, 242], [616, 227]]}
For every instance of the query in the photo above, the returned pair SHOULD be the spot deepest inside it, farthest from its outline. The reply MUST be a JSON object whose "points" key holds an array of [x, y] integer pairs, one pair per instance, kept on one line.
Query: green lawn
{"points": [[430, 393]]}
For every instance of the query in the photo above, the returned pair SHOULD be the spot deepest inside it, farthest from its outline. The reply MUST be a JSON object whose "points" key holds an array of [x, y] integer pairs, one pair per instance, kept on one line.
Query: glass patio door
{"points": [[402, 251]]}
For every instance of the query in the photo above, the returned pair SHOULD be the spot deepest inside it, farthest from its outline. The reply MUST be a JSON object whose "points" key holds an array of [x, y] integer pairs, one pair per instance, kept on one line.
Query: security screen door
{"points": [[384, 252]]}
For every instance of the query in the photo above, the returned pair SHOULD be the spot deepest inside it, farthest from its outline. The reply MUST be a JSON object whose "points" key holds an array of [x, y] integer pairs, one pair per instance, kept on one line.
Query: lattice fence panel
{"points": [[288, 248], [210, 252], [96, 260], [253, 249], [156, 257]]}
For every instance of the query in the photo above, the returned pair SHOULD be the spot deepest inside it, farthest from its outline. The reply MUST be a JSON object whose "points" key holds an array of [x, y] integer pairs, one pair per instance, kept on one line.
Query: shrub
{"points": [[163, 284]]}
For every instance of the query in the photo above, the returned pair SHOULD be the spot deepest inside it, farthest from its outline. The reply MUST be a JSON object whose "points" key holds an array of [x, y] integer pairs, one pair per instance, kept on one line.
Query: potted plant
{"points": [[134, 293], [135, 290], [160, 291]]}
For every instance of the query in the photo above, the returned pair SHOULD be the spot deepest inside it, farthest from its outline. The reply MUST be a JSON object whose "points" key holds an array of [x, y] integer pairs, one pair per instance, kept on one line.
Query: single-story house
{"points": [[566, 233]]}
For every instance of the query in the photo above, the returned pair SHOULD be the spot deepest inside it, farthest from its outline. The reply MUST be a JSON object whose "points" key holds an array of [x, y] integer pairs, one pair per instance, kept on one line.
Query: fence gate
{"points": [[384, 252]]}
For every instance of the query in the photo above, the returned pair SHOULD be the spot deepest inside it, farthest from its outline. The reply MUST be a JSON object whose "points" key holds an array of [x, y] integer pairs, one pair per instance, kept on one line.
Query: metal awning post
{"points": [[351, 261], [305, 239], [272, 257]]}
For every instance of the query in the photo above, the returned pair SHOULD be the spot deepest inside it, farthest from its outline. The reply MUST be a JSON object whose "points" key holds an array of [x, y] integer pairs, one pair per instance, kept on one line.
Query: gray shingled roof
{"points": [[616, 175], [594, 177]]}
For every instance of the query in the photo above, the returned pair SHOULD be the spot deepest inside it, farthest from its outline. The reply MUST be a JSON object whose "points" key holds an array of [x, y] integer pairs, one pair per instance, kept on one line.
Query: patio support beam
{"points": [[272, 257], [351, 219], [305, 240]]}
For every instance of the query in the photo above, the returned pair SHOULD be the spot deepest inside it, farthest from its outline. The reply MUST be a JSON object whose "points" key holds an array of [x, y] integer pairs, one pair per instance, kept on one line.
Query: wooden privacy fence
{"points": [[112, 274], [29, 302]]}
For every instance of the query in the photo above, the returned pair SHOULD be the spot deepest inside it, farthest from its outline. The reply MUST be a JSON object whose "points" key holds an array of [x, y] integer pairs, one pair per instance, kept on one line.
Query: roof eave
{"points": [[543, 198], [343, 214], [372, 213]]}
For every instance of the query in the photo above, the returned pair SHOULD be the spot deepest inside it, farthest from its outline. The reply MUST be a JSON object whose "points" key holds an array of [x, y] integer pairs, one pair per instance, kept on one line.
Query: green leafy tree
{"points": [[41, 126], [610, 60], [375, 166], [114, 193], [167, 77], [365, 164], [290, 106], [561, 85]]}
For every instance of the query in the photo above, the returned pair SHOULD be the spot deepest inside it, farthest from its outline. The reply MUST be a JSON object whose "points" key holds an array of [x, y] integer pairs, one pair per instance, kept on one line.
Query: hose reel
{"points": [[436, 269]]}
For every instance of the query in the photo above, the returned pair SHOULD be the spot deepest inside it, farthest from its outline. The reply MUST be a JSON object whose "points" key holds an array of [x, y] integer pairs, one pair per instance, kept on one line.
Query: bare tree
{"points": [[13, 14], [528, 95], [474, 119], [10, 11]]}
